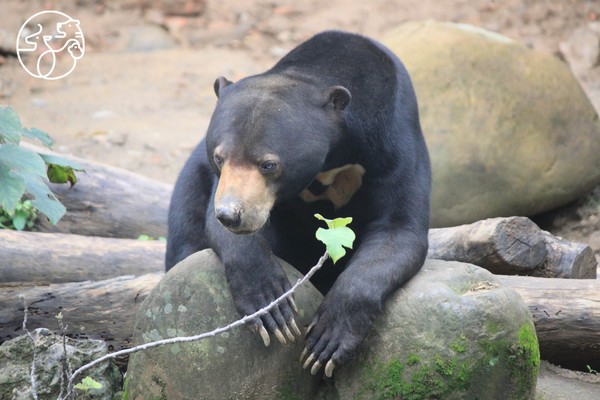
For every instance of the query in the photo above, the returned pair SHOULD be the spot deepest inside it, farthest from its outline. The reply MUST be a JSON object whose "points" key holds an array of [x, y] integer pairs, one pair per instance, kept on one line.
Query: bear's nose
{"points": [[229, 216]]}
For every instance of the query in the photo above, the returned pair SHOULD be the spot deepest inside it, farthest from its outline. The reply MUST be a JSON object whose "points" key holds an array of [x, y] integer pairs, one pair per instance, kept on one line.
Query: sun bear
{"points": [[333, 128]]}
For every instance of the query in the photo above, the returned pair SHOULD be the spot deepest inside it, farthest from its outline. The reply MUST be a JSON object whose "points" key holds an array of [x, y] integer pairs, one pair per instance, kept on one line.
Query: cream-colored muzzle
{"points": [[243, 200]]}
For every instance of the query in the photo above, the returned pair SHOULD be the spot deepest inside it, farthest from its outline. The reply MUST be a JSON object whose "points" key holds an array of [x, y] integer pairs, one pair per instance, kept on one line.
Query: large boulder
{"points": [[17, 356], [510, 130], [450, 333], [194, 298]]}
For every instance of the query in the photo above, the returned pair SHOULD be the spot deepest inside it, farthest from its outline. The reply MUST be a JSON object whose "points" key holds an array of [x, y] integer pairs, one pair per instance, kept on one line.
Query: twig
{"points": [[185, 339], [66, 362], [32, 374]]}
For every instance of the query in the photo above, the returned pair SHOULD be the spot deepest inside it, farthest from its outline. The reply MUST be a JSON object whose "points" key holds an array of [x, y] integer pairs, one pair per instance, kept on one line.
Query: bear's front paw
{"points": [[250, 295], [335, 333]]}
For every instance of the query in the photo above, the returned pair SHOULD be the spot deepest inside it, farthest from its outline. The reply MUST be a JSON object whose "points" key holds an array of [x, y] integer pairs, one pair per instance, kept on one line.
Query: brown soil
{"points": [[132, 104]]}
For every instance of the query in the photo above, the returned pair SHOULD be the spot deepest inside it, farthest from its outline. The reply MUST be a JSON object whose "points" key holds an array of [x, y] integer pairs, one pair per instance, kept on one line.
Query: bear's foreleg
{"points": [[255, 278], [383, 262]]}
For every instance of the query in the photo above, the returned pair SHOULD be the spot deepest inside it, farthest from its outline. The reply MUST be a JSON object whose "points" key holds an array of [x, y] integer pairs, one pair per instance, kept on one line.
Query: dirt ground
{"points": [[141, 97]]}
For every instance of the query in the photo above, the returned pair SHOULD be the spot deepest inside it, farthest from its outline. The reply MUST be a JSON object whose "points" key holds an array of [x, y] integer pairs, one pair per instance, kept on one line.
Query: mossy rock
{"points": [[16, 357], [450, 333], [510, 131], [194, 298]]}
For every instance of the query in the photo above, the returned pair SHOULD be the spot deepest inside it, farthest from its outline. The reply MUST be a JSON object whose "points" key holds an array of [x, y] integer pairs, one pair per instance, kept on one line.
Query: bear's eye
{"points": [[268, 166], [218, 160]]}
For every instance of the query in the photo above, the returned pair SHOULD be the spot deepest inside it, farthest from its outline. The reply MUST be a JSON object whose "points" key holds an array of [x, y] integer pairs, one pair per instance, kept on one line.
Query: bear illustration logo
{"points": [[49, 45]]}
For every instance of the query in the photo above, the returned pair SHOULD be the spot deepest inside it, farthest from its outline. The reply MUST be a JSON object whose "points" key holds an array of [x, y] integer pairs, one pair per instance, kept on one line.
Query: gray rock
{"points": [[582, 48], [194, 298], [16, 356], [451, 333], [144, 38], [510, 130]]}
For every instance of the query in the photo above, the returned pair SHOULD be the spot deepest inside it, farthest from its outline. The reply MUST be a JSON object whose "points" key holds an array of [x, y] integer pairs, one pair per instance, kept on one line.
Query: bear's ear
{"points": [[220, 83], [338, 97]]}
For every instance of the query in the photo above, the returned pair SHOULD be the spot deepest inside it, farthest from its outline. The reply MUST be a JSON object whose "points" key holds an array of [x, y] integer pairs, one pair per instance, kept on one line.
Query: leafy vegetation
{"points": [[88, 383], [24, 174], [143, 237], [22, 217]]}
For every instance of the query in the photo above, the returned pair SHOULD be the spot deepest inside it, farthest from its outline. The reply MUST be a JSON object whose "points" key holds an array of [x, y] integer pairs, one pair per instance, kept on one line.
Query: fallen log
{"points": [[60, 258], [111, 202], [117, 203], [510, 246], [501, 245], [97, 310], [566, 314]]}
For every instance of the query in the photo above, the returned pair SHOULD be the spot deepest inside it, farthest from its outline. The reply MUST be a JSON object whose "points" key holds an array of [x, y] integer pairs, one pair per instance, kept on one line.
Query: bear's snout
{"points": [[243, 200], [230, 216]]}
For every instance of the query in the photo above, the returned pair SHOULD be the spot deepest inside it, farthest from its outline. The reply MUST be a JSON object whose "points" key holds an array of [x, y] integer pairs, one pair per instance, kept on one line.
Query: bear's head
{"points": [[268, 138]]}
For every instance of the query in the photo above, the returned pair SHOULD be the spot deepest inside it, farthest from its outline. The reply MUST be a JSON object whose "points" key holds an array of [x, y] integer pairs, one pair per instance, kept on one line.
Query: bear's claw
{"points": [[329, 367], [309, 360], [265, 336], [280, 336], [295, 328], [291, 332], [315, 368]]}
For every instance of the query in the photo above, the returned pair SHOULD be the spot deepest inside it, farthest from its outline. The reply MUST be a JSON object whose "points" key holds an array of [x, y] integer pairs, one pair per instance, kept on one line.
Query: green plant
{"points": [[336, 237], [143, 237], [22, 217], [88, 383], [25, 173]]}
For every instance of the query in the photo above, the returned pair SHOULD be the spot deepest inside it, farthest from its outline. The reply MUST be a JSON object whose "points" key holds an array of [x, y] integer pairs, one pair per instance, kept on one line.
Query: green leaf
{"points": [[334, 223], [13, 188], [10, 126], [44, 200], [22, 161], [336, 237], [60, 174], [88, 383], [20, 220], [35, 133]]}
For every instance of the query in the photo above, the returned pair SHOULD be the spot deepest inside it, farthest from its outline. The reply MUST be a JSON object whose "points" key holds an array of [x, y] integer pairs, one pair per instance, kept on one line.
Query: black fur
{"points": [[336, 99]]}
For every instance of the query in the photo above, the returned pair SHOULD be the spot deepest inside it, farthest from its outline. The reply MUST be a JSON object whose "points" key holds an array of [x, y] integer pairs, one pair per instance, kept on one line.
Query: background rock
{"points": [[510, 131], [16, 356], [582, 48], [194, 298], [450, 333]]}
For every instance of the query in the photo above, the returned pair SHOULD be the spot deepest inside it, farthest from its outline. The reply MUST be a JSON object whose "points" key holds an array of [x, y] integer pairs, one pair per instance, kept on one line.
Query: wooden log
{"points": [[512, 245], [98, 310], [59, 258], [56, 258], [118, 203], [566, 314], [110, 202]]}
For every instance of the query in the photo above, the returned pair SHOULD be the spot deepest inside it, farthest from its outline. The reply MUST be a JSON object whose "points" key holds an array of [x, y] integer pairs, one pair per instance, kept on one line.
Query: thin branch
{"points": [[215, 332], [32, 374]]}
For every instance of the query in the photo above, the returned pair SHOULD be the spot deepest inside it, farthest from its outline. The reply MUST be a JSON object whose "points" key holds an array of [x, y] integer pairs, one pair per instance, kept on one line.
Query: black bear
{"points": [[333, 128]]}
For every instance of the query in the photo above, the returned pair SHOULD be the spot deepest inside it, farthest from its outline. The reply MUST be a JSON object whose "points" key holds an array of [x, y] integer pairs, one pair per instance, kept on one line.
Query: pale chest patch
{"points": [[337, 185]]}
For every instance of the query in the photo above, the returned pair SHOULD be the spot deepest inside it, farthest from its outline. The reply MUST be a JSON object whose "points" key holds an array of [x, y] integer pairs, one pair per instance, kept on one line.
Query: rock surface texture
{"points": [[451, 333], [509, 130], [16, 358], [194, 298]]}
